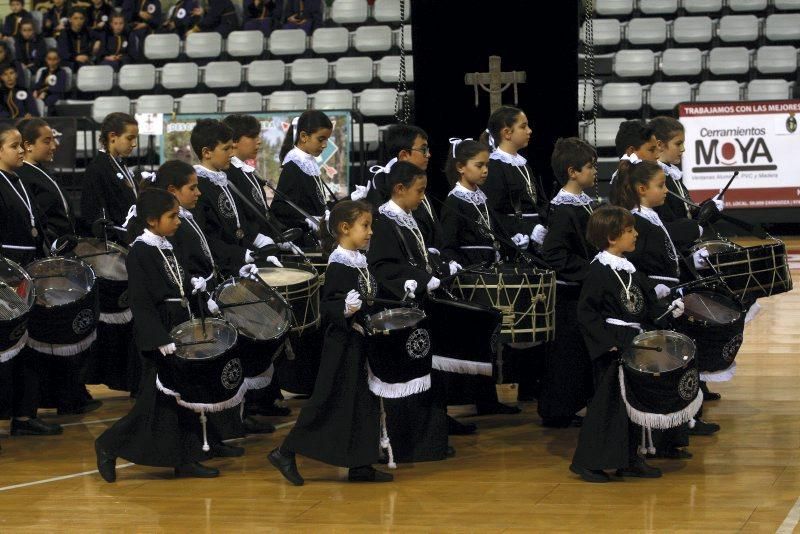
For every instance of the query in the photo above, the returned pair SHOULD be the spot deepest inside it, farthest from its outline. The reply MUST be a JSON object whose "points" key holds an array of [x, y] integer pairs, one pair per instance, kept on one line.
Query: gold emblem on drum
{"points": [[689, 384], [83, 322], [232, 374], [225, 207], [731, 348], [419, 343]]}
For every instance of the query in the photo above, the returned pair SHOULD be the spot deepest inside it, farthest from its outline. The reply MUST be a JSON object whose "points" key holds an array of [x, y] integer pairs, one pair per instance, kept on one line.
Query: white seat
{"points": [[634, 63], [38, 18], [329, 99], [389, 10], [198, 103], [718, 90], [605, 32], [287, 42], [349, 70], [372, 38], [179, 76], [242, 102], [776, 59], [606, 132], [585, 96], [349, 11], [689, 30], [408, 42], [666, 95], [138, 77], [371, 137], [731, 60], [162, 46], [104, 105], [287, 101], [647, 31], [787, 5], [245, 43], [783, 27], [768, 90], [266, 73], [223, 74], [740, 6], [658, 7], [621, 97], [610, 8], [738, 28], [682, 62], [389, 69], [50, 42], [93, 78], [203, 45], [702, 6], [330, 40], [155, 104], [377, 102], [309, 71]]}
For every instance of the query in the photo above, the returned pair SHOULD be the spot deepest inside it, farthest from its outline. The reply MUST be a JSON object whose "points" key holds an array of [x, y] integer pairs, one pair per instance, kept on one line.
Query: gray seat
{"points": [[179, 76], [690, 30], [371, 137], [658, 7], [222, 74], [104, 105], [162, 46], [665, 96], [154, 104], [605, 32], [718, 90], [647, 31], [203, 45], [137, 77], [702, 6], [585, 97], [606, 132], [266, 73], [389, 69], [738, 28], [352, 70], [776, 59], [330, 41], [309, 71], [787, 5], [732, 60], [768, 90], [94, 78], [610, 8], [245, 43], [746, 6], [377, 102], [198, 103], [330, 99], [349, 11], [242, 102], [287, 42], [389, 10], [682, 62], [372, 38], [287, 101], [634, 63], [621, 97], [783, 27], [408, 42]]}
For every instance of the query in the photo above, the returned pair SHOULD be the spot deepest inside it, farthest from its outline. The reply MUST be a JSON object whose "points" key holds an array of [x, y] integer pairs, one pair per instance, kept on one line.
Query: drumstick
{"points": [[645, 347], [722, 192], [467, 269], [201, 342], [665, 313], [371, 300]]}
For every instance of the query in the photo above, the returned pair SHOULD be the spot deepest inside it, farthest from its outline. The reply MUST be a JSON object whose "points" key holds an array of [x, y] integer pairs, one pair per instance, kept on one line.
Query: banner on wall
{"points": [[759, 139]]}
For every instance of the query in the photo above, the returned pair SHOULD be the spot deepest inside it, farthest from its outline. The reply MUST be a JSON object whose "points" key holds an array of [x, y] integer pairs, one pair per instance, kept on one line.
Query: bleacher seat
{"points": [[787, 5], [309, 71], [330, 40], [287, 101], [137, 77], [349, 11], [665, 96], [585, 96], [329, 99], [377, 102], [611, 8], [104, 105], [203, 45], [408, 40], [738, 28], [389, 69], [38, 18], [287, 42], [746, 6], [768, 90], [729, 61], [606, 132], [691, 30], [605, 32], [243, 43], [50, 42], [161, 46], [621, 97], [95, 78], [68, 74], [242, 102], [154, 104], [371, 137], [222, 74], [372, 38], [702, 6], [658, 7], [351, 70], [718, 90], [198, 103], [266, 73], [783, 27], [682, 62], [647, 31], [179, 75], [634, 63], [776, 59], [389, 10]]}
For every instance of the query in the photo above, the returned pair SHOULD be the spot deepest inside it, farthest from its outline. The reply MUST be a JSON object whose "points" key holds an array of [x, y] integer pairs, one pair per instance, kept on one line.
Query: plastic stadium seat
{"points": [[666, 95], [38, 18], [682, 62], [634, 63], [647, 31], [408, 42], [245, 43], [702, 6], [162, 46], [740, 6], [198, 103], [137, 77], [738, 28], [690, 30], [349, 11], [287, 101], [609, 8], [155, 104], [332, 99], [52, 43], [372, 38], [768, 90], [787, 5], [330, 40], [104, 105], [349, 70], [734, 60], [266, 73], [223, 74], [621, 97], [587, 103], [179, 76], [606, 132], [606, 32], [371, 137], [203, 45], [658, 7], [242, 102], [309, 71], [389, 10], [377, 102], [287, 42], [94, 78], [783, 27], [389, 69], [722, 90], [776, 59]]}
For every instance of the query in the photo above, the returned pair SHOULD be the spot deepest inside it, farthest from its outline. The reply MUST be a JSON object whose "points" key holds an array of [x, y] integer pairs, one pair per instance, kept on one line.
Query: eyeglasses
{"points": [[426, 151]]}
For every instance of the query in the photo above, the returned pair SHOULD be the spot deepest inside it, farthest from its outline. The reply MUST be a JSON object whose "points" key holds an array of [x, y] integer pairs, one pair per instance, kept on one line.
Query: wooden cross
{"points": [[494, 82]]}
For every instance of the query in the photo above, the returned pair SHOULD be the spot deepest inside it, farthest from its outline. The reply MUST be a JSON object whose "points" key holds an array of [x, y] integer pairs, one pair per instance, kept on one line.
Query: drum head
{"points": [[193, 344], [106, 258], [288, 275], [676, 350], [267, 318], [396, 319], [716, 246], [16, 290], [711, 308], [60, 281]]}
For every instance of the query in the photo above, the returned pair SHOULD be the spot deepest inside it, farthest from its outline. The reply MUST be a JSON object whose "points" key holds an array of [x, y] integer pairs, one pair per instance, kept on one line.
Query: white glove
{"points": [[352, 303], [678, 311], [434, 251], [538, 234], [662, 291], [288, 246], [170, 348], [198, 283], [433, 283], [360, 193], [212, 306], [262, 241], [314, 225], [274, 261], [249, 270], [410, 286], [699, 258], [719, 202], [248, 256], [522, 241], [455, 267]]}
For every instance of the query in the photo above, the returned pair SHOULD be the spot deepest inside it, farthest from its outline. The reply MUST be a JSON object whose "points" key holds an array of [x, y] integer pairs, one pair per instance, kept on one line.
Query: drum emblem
{"points": [[687, 387], [731, 348], [225, 207], [232, 374], [633, 301], [419, 343], [122, 301], [18, 331], [83, 322]]}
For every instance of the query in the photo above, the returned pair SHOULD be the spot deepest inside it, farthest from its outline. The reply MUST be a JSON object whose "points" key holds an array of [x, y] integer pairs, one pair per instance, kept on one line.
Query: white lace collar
{"points": [[648, 214], [672, 170], [184, 213], [512, 159], [149, 238], [615, 262], [475, 198], [307, 163], [398, 215], [351, 258], [565, 197], [241, 165], [216, 177]]}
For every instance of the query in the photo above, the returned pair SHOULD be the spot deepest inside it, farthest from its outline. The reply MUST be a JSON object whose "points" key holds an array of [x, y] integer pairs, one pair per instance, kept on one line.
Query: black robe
{"points": [[429, 224], [50, 198], [508, 195], [675, 215], [105, 187], [15, 222], [653, 255], [459, 235], [302, 190], [251, 186]]}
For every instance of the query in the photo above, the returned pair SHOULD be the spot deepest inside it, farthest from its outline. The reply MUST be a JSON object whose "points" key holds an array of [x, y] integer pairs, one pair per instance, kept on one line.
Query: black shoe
{"points": [[575, 421], [272, 410], [90, 406], [34, 427], [450, 452], [590, 475], [456, 428], [703, 428], [640, 469], [254, 426], [196, 470], [672, 453], [286, 465], [498, 408], [223, 450], [368, 473], [106, 464], [709, 395]]}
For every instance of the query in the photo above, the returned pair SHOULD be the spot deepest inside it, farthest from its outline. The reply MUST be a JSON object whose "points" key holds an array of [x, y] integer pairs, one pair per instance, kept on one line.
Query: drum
{"points": [[313, 258], [63, 320], [470, 348], [107, 259], [16, 301], [525, 296], [715, 246], [754, 272], [398, 352], [262, 319], [716, 323], [658, 380], [299, 284]]}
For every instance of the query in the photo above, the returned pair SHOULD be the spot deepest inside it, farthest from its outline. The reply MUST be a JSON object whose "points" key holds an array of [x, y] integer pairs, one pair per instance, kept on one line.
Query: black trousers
{"points": [[19, 386]]}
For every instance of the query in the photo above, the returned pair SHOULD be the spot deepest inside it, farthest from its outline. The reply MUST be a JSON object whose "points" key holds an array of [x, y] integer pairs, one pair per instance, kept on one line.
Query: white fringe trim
{"points": [[123, 317], [397, 390], [462, 367], [261, 381], [658, 420], [200, 407], [752, 312], [8, 354], [70, 349], [719, 376]]}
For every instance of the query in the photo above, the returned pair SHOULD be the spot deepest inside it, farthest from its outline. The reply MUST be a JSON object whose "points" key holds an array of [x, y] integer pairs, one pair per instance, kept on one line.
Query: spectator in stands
{"points": [[29, 48], [55, 19], [259, 15], [180, 18], [98, 16], [112, 49], [220, 17], [7, 56], [51, 82], [15, 18], [143, 18], [74, 43], [303, 14], [15, 101]]}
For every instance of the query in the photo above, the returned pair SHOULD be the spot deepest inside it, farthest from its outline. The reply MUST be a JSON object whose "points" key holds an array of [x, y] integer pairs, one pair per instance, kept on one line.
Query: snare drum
{"points": [[715, 246], [299, 284], [16, 301], [754, 272], [107, 259], [311, 257]]}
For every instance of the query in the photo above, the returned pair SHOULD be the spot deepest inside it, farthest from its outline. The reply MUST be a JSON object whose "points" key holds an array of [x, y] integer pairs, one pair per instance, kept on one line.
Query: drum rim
{"points": [[92, 288], [700, 244], [307, 267], [738, 308], [396, 311], [666, 333], [116, 246], [233, 281], [31, 298], [196, 321]]}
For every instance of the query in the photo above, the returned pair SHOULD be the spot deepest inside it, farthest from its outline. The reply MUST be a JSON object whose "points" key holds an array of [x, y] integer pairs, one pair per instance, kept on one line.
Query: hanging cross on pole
{"points": [[494, 82]]}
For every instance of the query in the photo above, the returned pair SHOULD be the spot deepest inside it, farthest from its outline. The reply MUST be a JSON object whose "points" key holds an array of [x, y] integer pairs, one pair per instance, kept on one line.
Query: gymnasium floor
{"points": [[511, 477]]}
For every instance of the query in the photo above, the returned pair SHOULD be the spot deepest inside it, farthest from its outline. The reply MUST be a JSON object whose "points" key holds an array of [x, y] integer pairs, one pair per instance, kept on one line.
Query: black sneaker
{"points": [[639, 469], [368, 473], [106, 464], [590, 475], [223, 450], [196, 470], [703, 428], [450, 452], [708, 395], [286, 465], [34, 427]]}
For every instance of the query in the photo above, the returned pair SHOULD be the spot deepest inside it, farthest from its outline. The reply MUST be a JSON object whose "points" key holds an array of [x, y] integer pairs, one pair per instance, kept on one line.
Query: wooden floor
{"points": [[511, 477]]}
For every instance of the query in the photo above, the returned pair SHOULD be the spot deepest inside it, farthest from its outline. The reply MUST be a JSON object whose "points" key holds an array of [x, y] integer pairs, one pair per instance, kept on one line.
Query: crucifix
{"points": [[494, 82]]}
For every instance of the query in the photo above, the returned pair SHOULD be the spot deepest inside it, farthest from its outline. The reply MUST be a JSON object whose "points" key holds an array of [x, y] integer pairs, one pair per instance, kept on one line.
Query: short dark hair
{"points": [[607, 223], [208, 133], [151, 203], [399, 137], [665, 128], [630, 176], [461, 154], [7, 65], [174, 173], [115, 123], [309, 122], [242, 126], [633, 133], [403, 172], [571, 152], [29, 128]]}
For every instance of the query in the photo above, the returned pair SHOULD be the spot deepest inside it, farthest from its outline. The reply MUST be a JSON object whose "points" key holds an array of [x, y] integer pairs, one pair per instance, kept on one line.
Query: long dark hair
{"points": [[503, 117], [629, 177], [665, 128], [152, 203], [460, 155], [174, 173], [115, 123], [345, 211], [309, 122], [29, 128]]}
